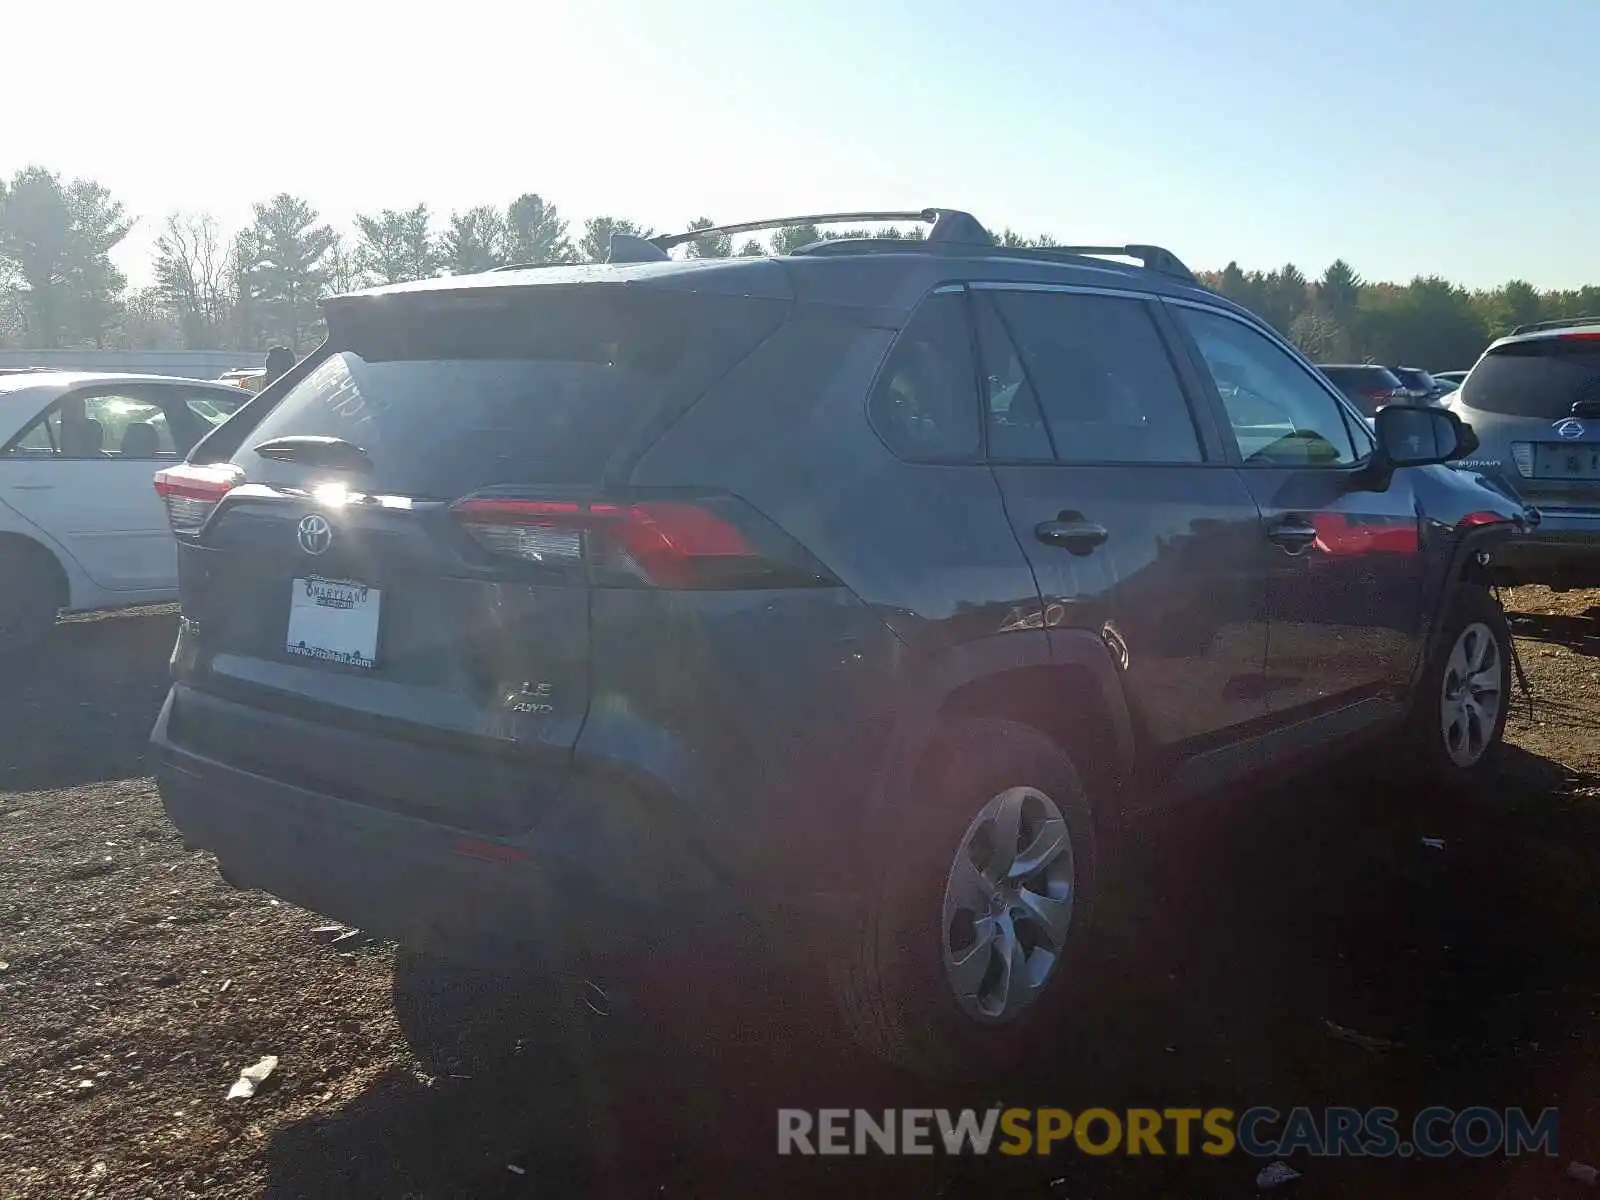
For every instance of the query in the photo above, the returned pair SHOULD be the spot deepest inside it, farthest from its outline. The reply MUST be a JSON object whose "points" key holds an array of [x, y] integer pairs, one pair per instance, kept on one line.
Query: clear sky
{"points": [[1454, 137]]}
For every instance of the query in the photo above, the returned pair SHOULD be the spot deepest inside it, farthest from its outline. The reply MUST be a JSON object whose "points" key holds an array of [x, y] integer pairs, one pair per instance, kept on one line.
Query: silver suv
{"points": [[1534, 401]]}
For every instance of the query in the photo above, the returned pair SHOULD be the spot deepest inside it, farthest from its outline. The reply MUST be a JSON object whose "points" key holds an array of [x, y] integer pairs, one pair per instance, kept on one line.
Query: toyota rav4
{"points": [[839, 606]]}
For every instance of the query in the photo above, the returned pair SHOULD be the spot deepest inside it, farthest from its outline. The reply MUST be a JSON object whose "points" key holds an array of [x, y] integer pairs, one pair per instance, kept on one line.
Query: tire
{"points": [[30, 597], [1444, 744], [464, 1019], [895, 985]]}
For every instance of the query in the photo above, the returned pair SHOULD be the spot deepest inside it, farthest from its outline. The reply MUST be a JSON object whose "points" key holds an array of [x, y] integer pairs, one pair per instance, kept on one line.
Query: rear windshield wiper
{"points": [[329, 453]]}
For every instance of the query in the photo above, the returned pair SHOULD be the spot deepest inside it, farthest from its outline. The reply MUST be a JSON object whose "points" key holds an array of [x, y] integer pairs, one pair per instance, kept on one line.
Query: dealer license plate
{"points": [[334, 620]]}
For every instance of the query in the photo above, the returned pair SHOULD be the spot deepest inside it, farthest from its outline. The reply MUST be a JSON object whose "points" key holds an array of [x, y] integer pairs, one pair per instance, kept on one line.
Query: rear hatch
{"points": [[1542, 396], [393, 562]]}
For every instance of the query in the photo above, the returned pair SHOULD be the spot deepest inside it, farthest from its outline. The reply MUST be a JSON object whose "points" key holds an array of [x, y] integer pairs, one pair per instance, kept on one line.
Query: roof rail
{"points": [[527, 266], [951, 228], [1565, 323], [1152, 258], [949, 225]]}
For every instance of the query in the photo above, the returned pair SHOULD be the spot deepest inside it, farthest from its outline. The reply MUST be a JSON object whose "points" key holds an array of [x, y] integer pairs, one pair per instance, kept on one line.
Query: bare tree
{"points": [[194, 277], [148, 322], [344, 271]]}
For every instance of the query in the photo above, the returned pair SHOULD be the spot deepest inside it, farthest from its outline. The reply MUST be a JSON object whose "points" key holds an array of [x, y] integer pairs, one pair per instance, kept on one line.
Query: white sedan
{"points": [[81, 526]]}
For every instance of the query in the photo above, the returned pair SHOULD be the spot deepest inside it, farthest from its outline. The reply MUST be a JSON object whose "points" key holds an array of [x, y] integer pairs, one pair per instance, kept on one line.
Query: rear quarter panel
{"points": [[787, 700], [1458, 514]]}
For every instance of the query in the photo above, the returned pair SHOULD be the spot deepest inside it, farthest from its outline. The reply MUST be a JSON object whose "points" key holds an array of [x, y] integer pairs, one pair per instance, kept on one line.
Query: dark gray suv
{"points": [[1534, 400], [838, 607]]}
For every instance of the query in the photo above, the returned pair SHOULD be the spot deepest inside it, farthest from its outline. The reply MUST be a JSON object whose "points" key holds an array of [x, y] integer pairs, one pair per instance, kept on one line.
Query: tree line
{"points": [[262, 285]]}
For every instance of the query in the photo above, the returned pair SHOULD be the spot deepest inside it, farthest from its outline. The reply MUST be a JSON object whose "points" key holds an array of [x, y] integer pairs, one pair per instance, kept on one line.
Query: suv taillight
{"points": [[706, 542], [192, 490]]}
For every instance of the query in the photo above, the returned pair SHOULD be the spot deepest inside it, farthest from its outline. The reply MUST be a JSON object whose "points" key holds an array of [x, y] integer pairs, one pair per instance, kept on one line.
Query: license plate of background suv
{"points": [[1564, 460], [334, 620]]}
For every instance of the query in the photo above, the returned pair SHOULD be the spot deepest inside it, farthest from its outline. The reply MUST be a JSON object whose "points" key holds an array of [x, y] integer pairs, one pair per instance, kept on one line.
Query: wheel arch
{"points": [[1461, 569], [27, 547], [1064, 685]]}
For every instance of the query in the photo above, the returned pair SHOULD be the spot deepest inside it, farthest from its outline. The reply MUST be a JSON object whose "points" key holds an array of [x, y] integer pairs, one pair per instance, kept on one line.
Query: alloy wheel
{"points": [[1470, 695]]}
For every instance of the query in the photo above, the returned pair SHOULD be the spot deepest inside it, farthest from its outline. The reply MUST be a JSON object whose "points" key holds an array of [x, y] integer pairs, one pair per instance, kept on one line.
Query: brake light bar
{"points": [[704, 542], [192, 491]]}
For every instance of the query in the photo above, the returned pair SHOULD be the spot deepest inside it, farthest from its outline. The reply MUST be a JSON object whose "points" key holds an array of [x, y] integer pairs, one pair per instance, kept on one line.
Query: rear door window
{"points": [[132, 426], [1094, 368], [1540, 378], [451, 394]]}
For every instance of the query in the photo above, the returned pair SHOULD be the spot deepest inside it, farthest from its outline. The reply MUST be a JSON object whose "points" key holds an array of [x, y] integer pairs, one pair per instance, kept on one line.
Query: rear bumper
{"points": [[600, 881], [1563, 549]]}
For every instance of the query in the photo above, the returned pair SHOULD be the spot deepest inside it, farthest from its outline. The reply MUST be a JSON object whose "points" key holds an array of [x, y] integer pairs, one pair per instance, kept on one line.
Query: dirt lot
{"points": [[134, 985]]}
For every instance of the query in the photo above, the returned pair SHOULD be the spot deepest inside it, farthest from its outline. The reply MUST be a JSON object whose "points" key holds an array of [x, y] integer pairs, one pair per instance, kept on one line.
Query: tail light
{"points": [[192, 490], [1522, 455], [705, 542]]}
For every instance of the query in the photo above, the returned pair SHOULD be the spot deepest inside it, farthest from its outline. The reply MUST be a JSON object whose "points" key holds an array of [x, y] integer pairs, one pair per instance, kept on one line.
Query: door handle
{"points": [[1072, 533], [1293, 534], [32, 487]]}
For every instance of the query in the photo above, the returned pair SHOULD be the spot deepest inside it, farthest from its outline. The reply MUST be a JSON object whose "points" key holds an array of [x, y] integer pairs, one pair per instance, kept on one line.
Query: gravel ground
{"points": [[134, 986]]}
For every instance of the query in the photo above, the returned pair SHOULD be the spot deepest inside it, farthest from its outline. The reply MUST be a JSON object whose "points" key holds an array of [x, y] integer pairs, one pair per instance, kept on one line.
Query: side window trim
{"points": [[1346, 411], [977, 454], [1215, 448], [1205, 406], [1027, 377]]}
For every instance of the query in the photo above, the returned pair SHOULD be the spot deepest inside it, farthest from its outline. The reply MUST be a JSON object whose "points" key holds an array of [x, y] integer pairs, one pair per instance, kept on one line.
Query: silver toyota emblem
{"points": [[315, 534], [1570, 429]]}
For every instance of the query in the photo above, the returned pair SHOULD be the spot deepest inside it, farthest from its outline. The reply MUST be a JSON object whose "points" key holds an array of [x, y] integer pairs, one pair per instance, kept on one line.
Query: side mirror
{"points": [[1417, 435]]}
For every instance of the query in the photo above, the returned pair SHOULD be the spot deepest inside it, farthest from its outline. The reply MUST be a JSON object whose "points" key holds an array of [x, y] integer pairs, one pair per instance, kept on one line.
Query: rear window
{"points": [[448, 395], [1542, 378]]}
